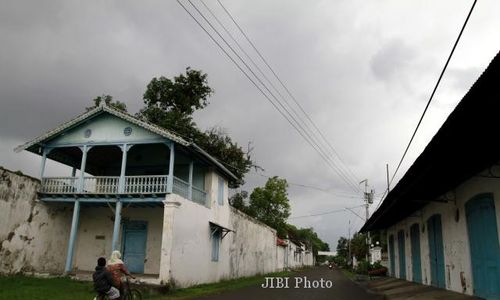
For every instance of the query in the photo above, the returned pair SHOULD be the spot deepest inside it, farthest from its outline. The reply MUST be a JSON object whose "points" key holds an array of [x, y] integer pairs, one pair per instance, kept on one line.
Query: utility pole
{"points": [[349, 245], [388, 183], [368, 200]]}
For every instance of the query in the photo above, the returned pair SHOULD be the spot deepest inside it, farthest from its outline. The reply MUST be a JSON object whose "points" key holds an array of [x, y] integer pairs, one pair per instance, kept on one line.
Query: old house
{"points": [[442, 218], [134, 187]]}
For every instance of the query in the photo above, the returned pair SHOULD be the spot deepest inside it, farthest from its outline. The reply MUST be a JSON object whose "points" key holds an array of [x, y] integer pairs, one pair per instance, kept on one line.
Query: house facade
{"points": [[137, 188], [442, 218]]}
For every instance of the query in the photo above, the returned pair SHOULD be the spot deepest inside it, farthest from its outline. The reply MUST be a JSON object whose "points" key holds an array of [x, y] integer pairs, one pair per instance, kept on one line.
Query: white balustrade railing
{"points": [[59, 185], [199, 196], [146, 184], [100, 184], [181, 187]]}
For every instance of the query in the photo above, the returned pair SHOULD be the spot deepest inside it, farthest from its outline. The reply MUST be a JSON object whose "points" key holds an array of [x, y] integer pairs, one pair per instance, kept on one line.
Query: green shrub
{"points": [[363, 267]]}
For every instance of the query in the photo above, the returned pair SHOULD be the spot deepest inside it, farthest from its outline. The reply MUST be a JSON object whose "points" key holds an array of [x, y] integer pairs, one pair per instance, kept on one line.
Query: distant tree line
{"points": [[270, 205]]}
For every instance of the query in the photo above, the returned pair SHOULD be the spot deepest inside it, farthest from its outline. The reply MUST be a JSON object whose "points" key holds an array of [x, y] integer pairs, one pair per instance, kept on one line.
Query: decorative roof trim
{"points": [[127, 117], [102, 108]]}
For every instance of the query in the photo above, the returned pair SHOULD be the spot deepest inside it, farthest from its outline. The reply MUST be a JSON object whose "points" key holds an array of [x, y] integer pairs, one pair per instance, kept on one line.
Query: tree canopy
{"points": [[109, 102], [270, 205], [170, 103]]}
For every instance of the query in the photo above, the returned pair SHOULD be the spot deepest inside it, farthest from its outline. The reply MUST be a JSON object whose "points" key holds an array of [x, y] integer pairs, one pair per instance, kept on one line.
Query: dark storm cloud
{"points": [[360, 69]]}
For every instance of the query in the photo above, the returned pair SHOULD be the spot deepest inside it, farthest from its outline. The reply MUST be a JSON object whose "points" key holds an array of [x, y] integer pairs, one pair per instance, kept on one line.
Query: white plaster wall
{"points": [[98, 221], [280, 258], [455, 235], [250, 249], [253, 247], [191, 256], [298, 258], [33, 235]]}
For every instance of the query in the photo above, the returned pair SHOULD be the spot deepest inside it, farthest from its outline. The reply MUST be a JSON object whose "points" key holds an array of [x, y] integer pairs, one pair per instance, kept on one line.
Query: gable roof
{"points": [[465, 145], [94, 112], [103, 108]]}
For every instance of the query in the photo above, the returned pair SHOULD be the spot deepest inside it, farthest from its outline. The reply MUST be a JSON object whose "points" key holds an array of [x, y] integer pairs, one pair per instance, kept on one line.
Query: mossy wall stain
{"points": [[33, 235]]}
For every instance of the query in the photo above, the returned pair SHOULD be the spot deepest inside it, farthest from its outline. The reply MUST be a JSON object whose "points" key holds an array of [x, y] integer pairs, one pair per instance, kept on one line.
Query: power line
{"points": [[431, 97], [346, 195], [348, 170], [316, 140], [324, 190], [287, 116], [434, 90], [326, 213]]}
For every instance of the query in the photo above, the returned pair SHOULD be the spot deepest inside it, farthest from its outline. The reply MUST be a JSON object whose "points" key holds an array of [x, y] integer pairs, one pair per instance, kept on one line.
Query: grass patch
{"points": [[23, 287], [225, 285], [20, 287], [349, 274]]}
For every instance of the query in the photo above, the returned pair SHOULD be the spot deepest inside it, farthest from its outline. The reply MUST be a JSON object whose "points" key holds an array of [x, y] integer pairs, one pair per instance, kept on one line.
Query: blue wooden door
{"points": [[484, 247], [415, 253], [402, 256], [134, 245], [391, 255], [436, 255]]}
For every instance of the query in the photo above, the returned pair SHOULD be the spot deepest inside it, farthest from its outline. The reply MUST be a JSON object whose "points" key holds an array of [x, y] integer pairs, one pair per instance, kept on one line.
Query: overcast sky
{"points": [[363, 70]]}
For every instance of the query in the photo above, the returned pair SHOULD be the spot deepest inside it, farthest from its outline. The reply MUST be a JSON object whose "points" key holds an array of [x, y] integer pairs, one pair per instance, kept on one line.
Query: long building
{"points": [[442, 218]]}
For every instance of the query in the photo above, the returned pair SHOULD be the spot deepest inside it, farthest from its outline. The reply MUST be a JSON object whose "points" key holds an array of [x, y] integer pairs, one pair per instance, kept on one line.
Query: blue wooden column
{"points": [[170, 180], [72, 236], [121, 184], [45, 152], [84, 149], [190, 192], [116, 227]]}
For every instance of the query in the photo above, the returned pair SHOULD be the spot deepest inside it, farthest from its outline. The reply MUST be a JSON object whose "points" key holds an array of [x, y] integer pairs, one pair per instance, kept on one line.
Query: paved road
{"points": [[342, 289]]}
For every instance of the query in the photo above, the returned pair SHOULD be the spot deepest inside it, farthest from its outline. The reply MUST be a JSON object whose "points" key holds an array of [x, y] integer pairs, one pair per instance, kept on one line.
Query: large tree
{"points": [[343, 248], [359, 247], [238, 200], [171, 103], [270, 204]]}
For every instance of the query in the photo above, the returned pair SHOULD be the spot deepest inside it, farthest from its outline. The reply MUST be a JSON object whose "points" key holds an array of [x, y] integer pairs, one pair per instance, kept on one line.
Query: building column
{"points": [[167, 238], [121, 184], [170, 179], [72, 237], [45, 152], [190, 192], [116, 226], [84, 149]]}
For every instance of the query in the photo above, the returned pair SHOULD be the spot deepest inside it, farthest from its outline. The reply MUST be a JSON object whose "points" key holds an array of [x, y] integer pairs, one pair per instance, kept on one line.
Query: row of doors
{"points": [[484, 247]]}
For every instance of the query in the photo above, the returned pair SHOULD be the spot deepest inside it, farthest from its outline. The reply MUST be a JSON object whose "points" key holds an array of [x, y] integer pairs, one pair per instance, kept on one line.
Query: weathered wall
{"points": [[281, 253], [95, 234], [455, 234], [33, 235], [191, 258], [298, 257], [253, 247]]}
